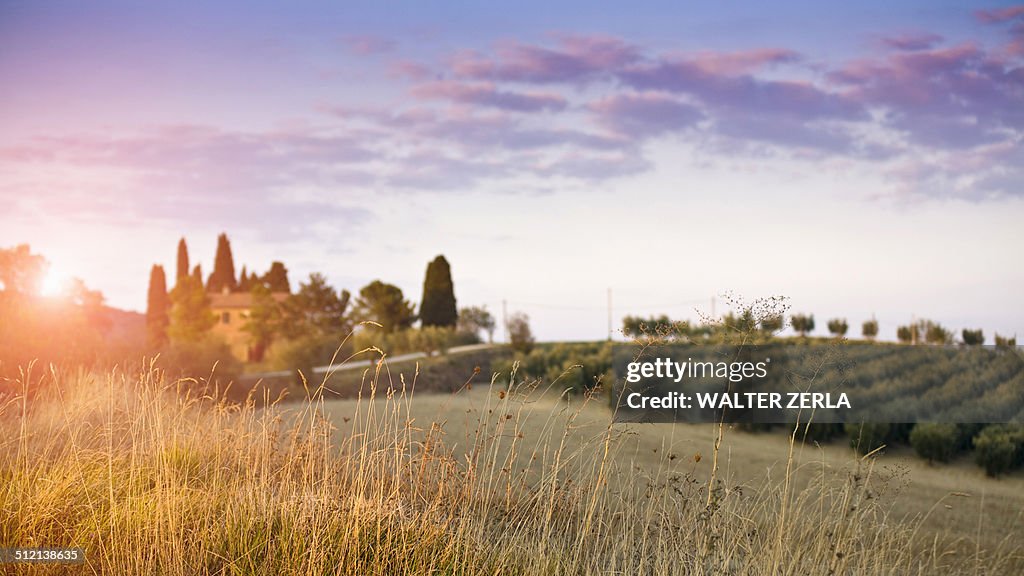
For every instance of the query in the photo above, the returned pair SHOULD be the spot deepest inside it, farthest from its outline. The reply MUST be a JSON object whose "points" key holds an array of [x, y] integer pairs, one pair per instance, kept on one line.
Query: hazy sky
{"points": [[859, 157]]}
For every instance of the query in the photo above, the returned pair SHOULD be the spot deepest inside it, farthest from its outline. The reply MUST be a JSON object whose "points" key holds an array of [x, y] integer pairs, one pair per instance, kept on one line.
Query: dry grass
{"points": [[152, 480]]}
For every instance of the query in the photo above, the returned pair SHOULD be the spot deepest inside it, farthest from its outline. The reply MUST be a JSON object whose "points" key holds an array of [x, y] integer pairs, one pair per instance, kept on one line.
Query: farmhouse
{"points": [[232, 310]]}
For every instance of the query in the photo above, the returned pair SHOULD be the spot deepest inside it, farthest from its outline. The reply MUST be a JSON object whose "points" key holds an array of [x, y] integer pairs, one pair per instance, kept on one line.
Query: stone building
{"points": [[232, 311]]}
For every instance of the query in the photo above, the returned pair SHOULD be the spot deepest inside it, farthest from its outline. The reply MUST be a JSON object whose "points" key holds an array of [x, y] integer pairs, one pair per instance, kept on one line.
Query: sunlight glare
{"points": [[53, 283]]}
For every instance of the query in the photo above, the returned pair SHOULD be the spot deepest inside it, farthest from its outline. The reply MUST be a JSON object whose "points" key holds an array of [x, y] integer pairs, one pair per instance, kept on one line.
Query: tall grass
{"points": [[153, 476]]}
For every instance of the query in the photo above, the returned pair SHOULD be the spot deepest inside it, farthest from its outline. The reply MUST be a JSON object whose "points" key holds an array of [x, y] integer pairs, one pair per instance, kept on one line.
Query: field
{"points": [[955, 502], [153, 476]]}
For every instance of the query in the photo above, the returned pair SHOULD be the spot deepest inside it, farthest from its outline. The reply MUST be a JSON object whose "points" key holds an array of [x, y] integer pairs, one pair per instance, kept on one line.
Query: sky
{"points": [[862, 159]]}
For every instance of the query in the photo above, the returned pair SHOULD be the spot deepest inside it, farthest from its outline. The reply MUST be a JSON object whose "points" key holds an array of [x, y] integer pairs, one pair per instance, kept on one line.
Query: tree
{"points": [[89, 302], [21, 271], [277, 278], [223, 276], [838, 327], [519, 334], [385, 304], [973, 337], [316, 309], [264, 321], [245, 283], [474, 319], [182, 261], [772, 324], [438, 305], [869, 329], [935, 442], [1004, 342], [999, 448], [934, 333], [158, 306], [197, 273], [908, 334], [191, 318], [637, 326], [802, 323], [744, 322]]}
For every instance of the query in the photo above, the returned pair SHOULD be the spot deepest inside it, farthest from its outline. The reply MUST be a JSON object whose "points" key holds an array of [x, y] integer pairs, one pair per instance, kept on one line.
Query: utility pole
{"points": [[609, 314], [713, 317], [504, 319]]}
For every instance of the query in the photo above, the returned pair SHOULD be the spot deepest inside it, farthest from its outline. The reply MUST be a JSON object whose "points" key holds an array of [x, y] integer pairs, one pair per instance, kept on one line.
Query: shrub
{"points": [[934, 441], [207, 359], [999, 449], [579, 366], [305, 353], [432, 339], [429, 340], [965, 434]]}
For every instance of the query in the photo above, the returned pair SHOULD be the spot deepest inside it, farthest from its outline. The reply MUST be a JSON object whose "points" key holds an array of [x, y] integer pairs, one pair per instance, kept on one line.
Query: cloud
{"points": [[911, 41], [1015, 47], [984, 173], [367, 45], [411, 70], [583, 108], [645, 115], [487, 95], [951, 97], [595, 168], [1000, 14], [190, 173], [205, 156], [741, 62], [574, 59], [723, 88]]}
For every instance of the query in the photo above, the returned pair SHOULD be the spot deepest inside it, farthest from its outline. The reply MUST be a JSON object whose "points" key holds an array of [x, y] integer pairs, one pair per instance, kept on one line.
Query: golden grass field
{"points": [[150, 479]]}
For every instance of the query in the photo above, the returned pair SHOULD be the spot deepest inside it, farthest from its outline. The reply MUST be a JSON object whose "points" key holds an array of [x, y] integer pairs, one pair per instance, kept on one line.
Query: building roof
{"points": [[240, 300]]}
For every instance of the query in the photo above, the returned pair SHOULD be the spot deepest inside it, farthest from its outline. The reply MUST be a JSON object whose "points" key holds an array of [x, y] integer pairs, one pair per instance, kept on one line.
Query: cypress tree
{"points": [[277, 278], [223, 275], [197, 273], [244, 283], [438, 305], [157, 308], [182, 261]]}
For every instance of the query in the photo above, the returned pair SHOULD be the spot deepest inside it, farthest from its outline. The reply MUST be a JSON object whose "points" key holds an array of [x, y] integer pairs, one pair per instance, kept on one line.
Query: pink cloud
{"points": [[485, 94], [911, 41], [366, 45], [955, 97], [645, 115], [999, 15], [513, 117], [741, 62], [411, 70], [794, 98], [574, 59]]}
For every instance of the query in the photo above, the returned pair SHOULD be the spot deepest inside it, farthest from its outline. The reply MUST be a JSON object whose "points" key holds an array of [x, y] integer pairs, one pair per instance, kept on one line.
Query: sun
{"points": [[53, 283]]}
